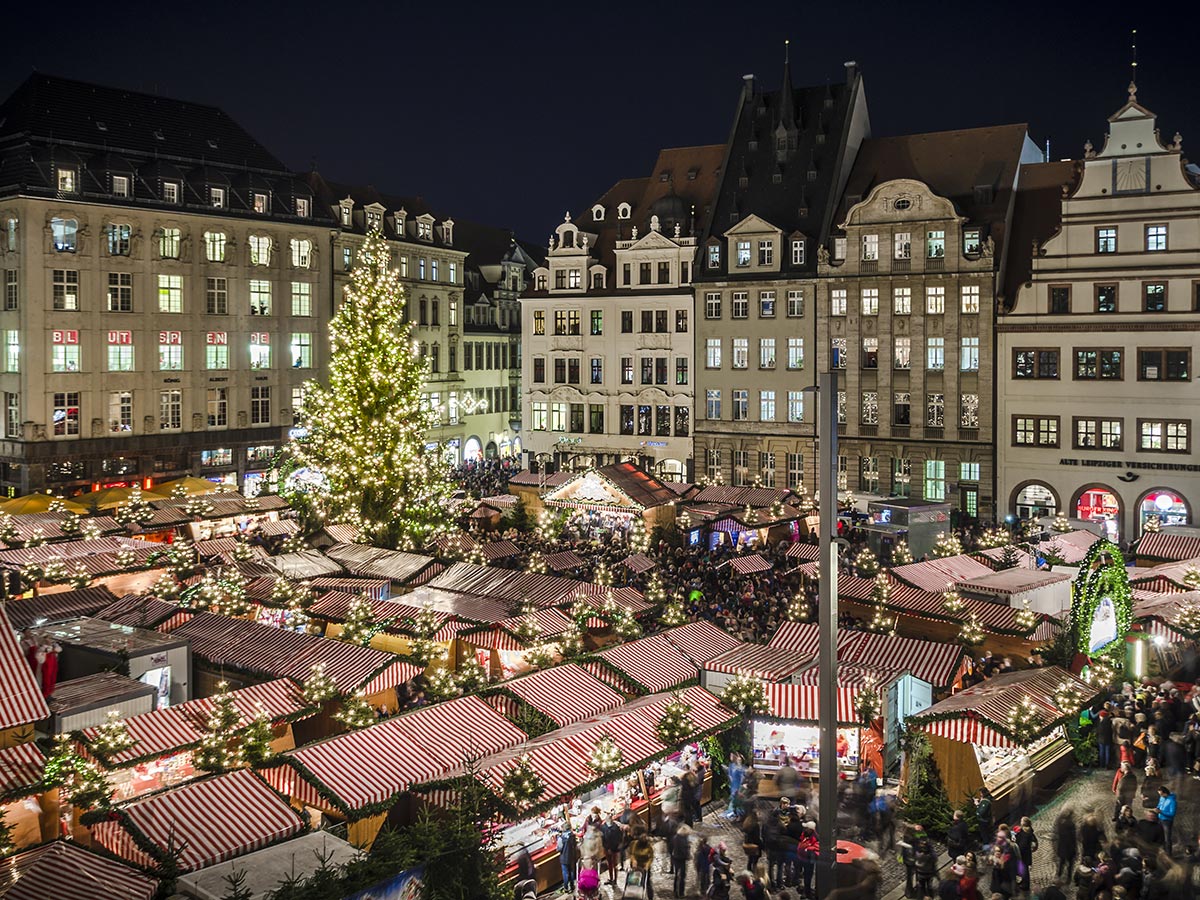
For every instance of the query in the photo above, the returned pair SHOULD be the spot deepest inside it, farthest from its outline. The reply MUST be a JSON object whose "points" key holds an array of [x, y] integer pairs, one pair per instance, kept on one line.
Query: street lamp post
{"points": [[827, 434]]}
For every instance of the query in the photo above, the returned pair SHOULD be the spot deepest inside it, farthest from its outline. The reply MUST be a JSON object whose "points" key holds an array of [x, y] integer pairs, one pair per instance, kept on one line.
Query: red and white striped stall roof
{"points": [[811, 552], [968, 731], [802, 703], [759, 661], [502, 635], [653, 662], [567, 694], [934, 662], [58, 607], [749, 565], [510, 585], [564, 561], [138, 611], [21, 768], [493, 550], [63, 870], [940, 574], [562, 767], [21, 700], [849, 675], [375, 588], [1168, 547], [638, 563], [208, 821], [1165, 576], [700, 641], [173, 728], [335, 606]]}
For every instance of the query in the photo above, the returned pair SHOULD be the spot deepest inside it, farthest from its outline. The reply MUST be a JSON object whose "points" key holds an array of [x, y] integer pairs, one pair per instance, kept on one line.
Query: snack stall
{"points": [[790, 730], [974, 745], [30, 813]]}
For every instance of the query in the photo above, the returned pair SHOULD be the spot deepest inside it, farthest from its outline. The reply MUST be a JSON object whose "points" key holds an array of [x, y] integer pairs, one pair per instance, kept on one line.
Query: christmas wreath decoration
{"points": [[676, 724], [1102, 577], [521, 784], [605, 756]]}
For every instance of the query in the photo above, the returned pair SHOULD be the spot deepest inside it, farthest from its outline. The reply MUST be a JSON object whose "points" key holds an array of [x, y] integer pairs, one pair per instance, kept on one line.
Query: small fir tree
{"points": [[219, 749], [319, 687], [367, 431], [256, 739], [946, 545], [639, 538], [746, 694], [1009, 558], [79, 780], [112, 735], [356, 713], [471, 676], [901, 555], [135, 511], [360, 624], [953, 602], [605, 756], [442, 685], [866, 563], [971, 635], [676, 724], [522, 785]]}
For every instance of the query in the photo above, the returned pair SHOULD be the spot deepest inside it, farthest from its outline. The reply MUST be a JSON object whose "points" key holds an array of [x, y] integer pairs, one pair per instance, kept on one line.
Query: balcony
{"points": [[935, 264], [902, 265], [868, 266]]}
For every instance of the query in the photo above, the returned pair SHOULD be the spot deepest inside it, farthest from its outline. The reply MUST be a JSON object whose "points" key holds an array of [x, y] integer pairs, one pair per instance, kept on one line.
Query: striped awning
{"points": [[653, 662], [63, 870], [749, 565], [638, 563], [564, 561], [939, 575], [934, 662], [759, 661], [170, 729], [57, 607], [21, 700], [801, 702], [1168, 547], [700, 641], [494, 550], [137, 611], [21, 768], [968, 731], [513, 586], [502, 635], [375, 588], [811, 552], [206, 821], [567, 694]]}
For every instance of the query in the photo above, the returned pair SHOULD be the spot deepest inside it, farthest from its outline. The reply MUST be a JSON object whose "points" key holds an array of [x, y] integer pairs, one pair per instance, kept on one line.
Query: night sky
{"points": [[511, 113]]}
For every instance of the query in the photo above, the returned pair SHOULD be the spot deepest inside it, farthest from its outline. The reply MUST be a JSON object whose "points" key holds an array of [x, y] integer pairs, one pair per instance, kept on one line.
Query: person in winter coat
{"points": [[1125, 786], [1150, 830], [983, 812], [1091, 837], [908, 856], [613, 837], [702, 859], [641, 857], [1027, 843], [681, 851], [1126, 825], [568, 848], [808, 849], [591, 847], [1104, 738], [1004, 866], [1066, 844], [752, 839], [926, 862], [958, 836]]}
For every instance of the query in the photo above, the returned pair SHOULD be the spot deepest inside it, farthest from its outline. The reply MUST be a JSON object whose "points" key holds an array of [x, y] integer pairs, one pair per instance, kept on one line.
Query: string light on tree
{"points": [[605, 756], [1068, 698], [356, 712], [570, 641], [256, 739], [866, 563], [1060, 524], [946, 545], [522, 785], [471, 676], [319, 687], [746, 694], [539, 656], [1187, 619], [1025, 618], [219, 750], [1101, 672], [881, 622], [367, 432], [602, 575], [1153, 524], [625, 626], [798, 609], [537, 563], [442, 685], [901, 555], [360, 625], [655, 593], [953, 602], [1191, 578], [135, 511], [639, 538], [80, 781], [1024, 722], [971, 633], [676, 724], [673, 614], [994, 537], [867, 704], [112, 735]]}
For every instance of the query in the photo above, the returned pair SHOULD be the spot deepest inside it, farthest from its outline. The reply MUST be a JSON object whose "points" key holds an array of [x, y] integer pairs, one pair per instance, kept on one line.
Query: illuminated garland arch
{"points": [[1102, 574]]}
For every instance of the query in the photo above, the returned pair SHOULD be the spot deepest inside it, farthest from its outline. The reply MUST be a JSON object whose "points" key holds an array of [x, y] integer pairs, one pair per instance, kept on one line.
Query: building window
{"points": [[1163, 436], [218, 407], [740, 305], [795, 406], [743, 253], [902, 243], [741, 405], [1106, 240], [712, 464], [120, 292], [971, 241], [766, 406], [170, 293], [968, 471], [714, 256], [1156, 238], [766, 253], [741, 353], [935, 300], [595, 418], [216, 197], [935, 410], [539, 321], [301, 350], [902, 301], [969, 354], [766, 304], [868, 474], [935, 353], [643, 420], [171, 192], [870, 353], [120, 412], [214, 246], [301, 253], [301, 298], [795, 471], [216, 351], [1106, 298], [902, 353], [66, 414], [839, 248], [837, 349], [63, 234], [303, 209], [170, 410], [1098, 434], [572, 371], [741, 467], [261, 205], [1035, 431], [260, 297], [901, 477], [260, 250], [119, 239], [1155, 296], [712, 305], [766, 469], [10, 234], [766, 353], [681, 321], [795, 350], [1164, 365], [260, 350], [870, 247], [12, 293], [901, 408], [120, 355], [935, 479], [260, 405], [968, 410], [660, 321], [1092, 364], [597, 322], [539, 370], [539, 413], [712, 404], [870, 407], [870, 301], [798, 252], [681, 370], [838, 302], [216, 297], [67, 181], [935, 244], [120, 185], [170, 351], [347, 259], [626, 370], [795, 304], [433, 270], [970, 298], [1060, 300], [1035, 364], [169, 240], [712, 355]]}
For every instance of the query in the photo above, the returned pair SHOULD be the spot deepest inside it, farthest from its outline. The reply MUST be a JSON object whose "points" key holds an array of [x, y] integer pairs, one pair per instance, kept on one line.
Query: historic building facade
{"points": [[1098, 346], [905, 310], [788, 156], [162, 291]]}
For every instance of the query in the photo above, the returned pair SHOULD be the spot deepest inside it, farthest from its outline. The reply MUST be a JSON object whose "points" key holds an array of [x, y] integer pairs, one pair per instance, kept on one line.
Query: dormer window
{"points": [[448, 231], [714, 256], [568, 239], [743, 253], [170, 192], [67, 181], [216, 197], [374, 220], [347, 213], [120, 185], [597, 281], [971, 242], [597, 213], [624, 211], [401, 221], [303, 208], [261, 203], [798, 252], [424, 231]]}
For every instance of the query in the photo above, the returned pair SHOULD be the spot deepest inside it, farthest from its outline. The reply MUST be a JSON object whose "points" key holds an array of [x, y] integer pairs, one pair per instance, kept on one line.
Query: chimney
{"points": [[851, 70], [747, 87]]}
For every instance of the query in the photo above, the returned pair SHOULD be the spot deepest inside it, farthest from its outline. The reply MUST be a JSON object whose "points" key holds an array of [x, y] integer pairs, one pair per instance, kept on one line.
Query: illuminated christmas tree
{"points": [[367, 433], [953, 602], [319, 687], [746, 694], [441, 685], [219, 750], [136, 511], [946, 545], [655, 593], [901, 555], [605, 756], [112, 736], [79, 780], [676, 724], [639, 538], [256, 739], [522, 785], [471, 676], [1060, 524], [866, 563], [356, 713], [1024, 722], [360, 624], [971, 633]]}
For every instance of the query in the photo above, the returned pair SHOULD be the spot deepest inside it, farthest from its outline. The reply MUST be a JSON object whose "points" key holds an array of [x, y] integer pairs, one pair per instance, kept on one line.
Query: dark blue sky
{"points": [[511, 113]]}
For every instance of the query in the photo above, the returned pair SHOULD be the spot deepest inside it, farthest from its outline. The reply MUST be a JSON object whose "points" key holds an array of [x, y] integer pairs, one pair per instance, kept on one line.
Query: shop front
{"points": [[1162, 508], [790, 732], [1101, 506]]}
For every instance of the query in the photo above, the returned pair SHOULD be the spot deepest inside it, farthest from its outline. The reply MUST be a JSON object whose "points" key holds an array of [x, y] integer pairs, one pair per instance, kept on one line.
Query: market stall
{"points": [[21, 703], [396, 566], [790, 730], [204, 823], [83, 702], [500, 648], [606, 500], [564, 695], [1043, 592], [30, 813], [1005, 734], [164, 739], [66, 871], [771, 664]]}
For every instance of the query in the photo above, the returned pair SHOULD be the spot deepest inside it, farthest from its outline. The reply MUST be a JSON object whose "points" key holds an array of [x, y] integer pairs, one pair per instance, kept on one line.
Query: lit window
{"points": [[712, 401], [902, 301], [935, 410], [970, 298], [260, 350], [302, 207], [795, 304], [301, 298], [902, 353], [741, 353], [65, 285], [12, 350], [301, 253], [870, 301], [218, 407], [870, 247], [713, 353], [766, 253], [741, 404], [171, 192], [740, 305], [216, 197], [65, 415], [935, 479], [120, 412], [66, 181], [935, 353], [714, 256], [170, 410], [168, 243], [170, 351], [795, 357], [12, 294], [64, 351], [1156, 238], [260, 250], [968, 411], [935, 300], [214, 246], [301, 348], [216, 351], [969, 354], [766, 304], [120, 185], [261, 203], [870, 407], [1106, 240], [795, 410], [170, 293], [743, 253], [797, 252], [63, 233], [870, 353], [766, 406], [837, 302], [120, 292], [260, 297], [118, 239], [838, 353], [425, 231], [935, 244], [903, 245], [766, 353], [971, 241]]}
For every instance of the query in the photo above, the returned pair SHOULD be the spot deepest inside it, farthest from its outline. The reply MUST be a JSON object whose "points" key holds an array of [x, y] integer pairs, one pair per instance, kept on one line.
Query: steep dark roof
{"points": [[1037, 216], [329, 195], [789, 188], [61, 110]]}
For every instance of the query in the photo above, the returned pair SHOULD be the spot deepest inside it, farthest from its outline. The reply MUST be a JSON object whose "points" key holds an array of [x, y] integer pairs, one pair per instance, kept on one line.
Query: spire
{"points": [[786, 111], [1133, 70]]}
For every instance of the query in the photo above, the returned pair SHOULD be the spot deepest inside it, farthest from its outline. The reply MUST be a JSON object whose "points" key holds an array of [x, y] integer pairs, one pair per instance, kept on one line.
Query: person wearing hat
{"points": [[808, 849]]}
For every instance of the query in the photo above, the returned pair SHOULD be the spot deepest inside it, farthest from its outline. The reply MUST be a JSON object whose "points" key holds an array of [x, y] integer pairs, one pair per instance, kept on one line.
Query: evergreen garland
{"points": [[746, 694], [605, 756], [676, 724], [521, 784], [1102, 573]]}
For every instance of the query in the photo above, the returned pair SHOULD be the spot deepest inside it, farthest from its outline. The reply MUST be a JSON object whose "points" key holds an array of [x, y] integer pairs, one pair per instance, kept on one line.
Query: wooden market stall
{"points": [[974, 746], [564, 695], [64, 870], [662, 661], [607, 499], [21, 702], [30, 812]]}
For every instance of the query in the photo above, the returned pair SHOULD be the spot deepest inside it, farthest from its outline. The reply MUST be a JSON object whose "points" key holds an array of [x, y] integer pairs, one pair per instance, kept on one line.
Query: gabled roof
{"points": [[1037, 216], [619, 485]]}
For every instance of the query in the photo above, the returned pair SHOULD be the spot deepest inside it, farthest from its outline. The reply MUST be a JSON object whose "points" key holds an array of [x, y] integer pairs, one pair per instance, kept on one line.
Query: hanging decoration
{"points": [[676, 724], [318, 686], [746, 694], [112, 735], [1024, 722], [605, 756], [1101, 600], [522, 785]]}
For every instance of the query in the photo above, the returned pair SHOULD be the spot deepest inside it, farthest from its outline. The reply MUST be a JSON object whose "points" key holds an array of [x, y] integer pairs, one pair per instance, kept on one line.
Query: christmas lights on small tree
{"points": [[318, 686], [366, 432], [798, 608], [125, 559], [548, 526], [243, 551], [866, 563], [135, 511], [901, 555], [1025, 618], [953, 602], [8, 529], [198, 507], [746, 694], [602, 575], [527, 629], [570, 641], [219, 590], [36, 538], [971, 633], [356, 713], [522, 785], [219, 749], [1191, 578], [1187, 619], [1153, 524], [90, 530], [946, 545], [55, 571], [655, 593], [539, 656], [80, 578], [471, 676], [255, 747], [994, 537], [639, 538], [79, 780], [673, 614], [1101, 672], [112, 735], [165, 587], [625, 626], [474, 556], [867, 704], [360, 625], [605, 756], [1060, 524], [1024, 722], [69, 524], [881, 622], [537, 563], [6, 841], [441, 685], [676, 724], [1068, 698]]}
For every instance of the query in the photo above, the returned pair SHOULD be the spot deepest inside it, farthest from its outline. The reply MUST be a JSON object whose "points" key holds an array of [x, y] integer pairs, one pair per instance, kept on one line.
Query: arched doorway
{"points": [[1168, 506], [1100, 504], [1035, 500], [491, 451], [472, 450]]}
